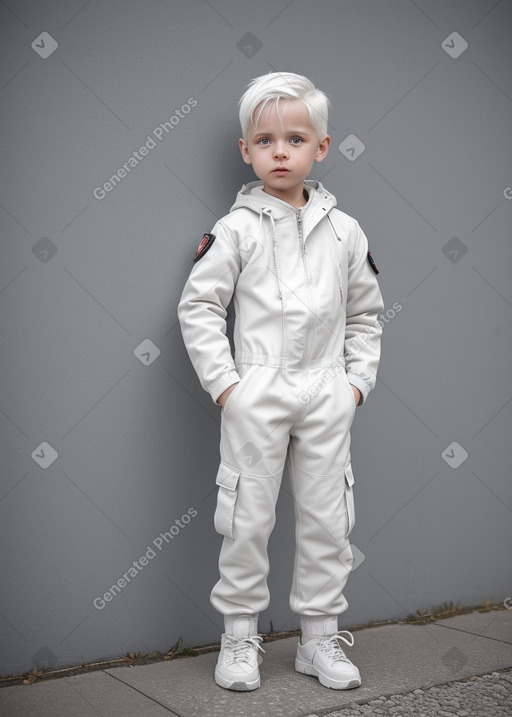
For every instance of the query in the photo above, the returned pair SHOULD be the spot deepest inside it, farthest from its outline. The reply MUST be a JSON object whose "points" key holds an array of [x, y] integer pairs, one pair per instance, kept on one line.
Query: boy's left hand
{"points": [[357, 394]]}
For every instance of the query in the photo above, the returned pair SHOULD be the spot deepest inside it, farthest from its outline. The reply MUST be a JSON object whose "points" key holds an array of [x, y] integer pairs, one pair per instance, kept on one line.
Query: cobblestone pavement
{"points": [[485, 696]]}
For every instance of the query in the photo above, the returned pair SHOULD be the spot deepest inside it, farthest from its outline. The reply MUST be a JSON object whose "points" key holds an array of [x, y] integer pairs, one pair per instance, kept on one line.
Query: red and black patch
{"points": [[204, 245], [372, 262]]}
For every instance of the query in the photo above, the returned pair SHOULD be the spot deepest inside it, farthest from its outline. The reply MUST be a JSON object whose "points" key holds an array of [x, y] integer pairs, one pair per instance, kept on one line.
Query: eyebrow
{"points": [[297, 130]]}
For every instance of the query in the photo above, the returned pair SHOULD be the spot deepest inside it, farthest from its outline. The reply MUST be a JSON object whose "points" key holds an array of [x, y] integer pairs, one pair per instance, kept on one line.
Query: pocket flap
{"points": [[349, 476], [227, 476]]}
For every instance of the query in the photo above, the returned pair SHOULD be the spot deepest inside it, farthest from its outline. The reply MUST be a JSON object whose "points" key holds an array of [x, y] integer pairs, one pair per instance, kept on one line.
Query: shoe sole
{"points": [[306, 668], [236, 686]]}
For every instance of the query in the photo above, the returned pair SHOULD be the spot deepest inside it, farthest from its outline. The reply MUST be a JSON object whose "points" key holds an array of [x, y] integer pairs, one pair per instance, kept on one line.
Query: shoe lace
{"points": [[331, 647], [239, 647]]}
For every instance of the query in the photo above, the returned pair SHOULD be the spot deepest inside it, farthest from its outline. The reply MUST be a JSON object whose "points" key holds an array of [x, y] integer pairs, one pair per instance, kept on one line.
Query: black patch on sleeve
{"points": [[372, 263], [204, 245]]}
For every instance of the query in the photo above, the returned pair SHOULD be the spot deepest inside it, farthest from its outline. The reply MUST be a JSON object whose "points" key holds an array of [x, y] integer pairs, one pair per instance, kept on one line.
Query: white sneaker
{"points": [[237, 666], [324, 658]]}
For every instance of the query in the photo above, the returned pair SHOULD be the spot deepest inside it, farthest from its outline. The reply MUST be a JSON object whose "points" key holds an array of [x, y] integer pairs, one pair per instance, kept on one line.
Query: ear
{"points": [[243, 149], [323, 148]]}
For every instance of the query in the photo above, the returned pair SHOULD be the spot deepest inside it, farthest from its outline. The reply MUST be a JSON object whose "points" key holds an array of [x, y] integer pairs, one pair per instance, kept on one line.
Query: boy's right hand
{"points": [[224, 395]]}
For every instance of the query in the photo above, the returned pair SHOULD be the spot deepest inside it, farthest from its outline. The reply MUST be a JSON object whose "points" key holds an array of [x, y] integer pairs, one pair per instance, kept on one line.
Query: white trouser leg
{"points": [[254, 442], [243, 560], [321, 478], [323, 558]]}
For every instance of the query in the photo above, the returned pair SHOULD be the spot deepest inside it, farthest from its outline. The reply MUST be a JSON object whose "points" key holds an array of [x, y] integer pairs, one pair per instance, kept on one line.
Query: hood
{"points": [[252, 196]]}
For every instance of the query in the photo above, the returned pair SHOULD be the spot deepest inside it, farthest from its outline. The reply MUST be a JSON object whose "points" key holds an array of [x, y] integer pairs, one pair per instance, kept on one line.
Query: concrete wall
{"points": [[107, 438]]}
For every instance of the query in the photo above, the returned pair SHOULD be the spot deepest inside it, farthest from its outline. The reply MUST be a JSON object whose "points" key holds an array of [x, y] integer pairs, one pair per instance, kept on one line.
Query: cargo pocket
{"points": [[227, 480], [349, 497]]}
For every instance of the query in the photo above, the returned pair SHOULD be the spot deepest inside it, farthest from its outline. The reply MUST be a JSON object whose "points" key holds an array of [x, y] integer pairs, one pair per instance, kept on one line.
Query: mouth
{"points": [[280, 170]]}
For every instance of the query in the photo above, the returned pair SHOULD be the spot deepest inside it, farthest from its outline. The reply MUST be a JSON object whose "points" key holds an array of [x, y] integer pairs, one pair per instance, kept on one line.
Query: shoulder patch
{"points": [[204, 245], [372, 262]]}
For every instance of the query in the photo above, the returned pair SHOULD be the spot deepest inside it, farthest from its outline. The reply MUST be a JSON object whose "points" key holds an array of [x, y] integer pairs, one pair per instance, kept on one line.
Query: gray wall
{"points": [[87, 282]]}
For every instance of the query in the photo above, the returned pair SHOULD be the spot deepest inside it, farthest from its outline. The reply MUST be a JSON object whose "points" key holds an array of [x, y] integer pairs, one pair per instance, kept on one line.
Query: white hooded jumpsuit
{"points": [[306, 306]]}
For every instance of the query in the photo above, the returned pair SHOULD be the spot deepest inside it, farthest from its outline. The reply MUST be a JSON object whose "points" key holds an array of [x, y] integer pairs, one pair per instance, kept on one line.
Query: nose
{"points": [[280, 150]]}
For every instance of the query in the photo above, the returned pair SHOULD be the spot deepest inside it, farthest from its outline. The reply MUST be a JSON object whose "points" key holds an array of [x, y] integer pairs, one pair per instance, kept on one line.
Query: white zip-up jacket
{"points": [[302, 287]]}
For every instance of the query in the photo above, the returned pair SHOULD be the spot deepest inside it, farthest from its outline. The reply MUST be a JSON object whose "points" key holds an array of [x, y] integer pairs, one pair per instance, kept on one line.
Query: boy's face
{"points": [[282, 149]]}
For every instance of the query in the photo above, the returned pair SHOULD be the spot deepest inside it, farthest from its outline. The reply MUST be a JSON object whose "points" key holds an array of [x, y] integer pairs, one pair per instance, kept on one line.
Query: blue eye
{"points": [[296, 140], [264, 141]]}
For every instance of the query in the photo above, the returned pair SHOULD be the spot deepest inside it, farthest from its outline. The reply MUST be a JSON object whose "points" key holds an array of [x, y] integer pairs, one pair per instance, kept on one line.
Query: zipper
{"points": [[336, 258], [268, 213], [307, 274]]}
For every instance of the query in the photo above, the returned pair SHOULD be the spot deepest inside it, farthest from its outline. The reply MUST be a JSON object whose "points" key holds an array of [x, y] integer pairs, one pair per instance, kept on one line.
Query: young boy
{"points": [[307, 347]]}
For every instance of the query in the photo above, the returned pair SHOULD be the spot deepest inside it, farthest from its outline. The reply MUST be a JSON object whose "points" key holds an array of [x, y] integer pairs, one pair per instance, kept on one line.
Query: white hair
{"points": [[269, 89]]}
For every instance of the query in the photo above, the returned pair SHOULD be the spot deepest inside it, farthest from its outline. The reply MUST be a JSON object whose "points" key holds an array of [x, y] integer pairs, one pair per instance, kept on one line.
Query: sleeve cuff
{"points": [[222, 383], [359, 383]]}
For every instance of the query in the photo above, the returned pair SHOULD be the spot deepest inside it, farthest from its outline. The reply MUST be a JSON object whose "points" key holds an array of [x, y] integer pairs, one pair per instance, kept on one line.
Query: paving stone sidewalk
{"points": [[460, 666]]}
